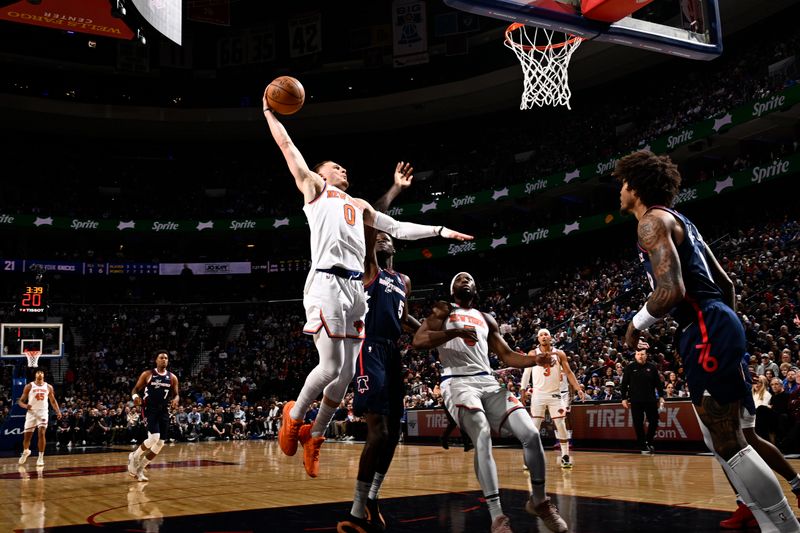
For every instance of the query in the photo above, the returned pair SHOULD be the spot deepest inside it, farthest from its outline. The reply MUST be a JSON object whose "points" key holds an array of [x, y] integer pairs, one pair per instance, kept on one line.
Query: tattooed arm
{"points": [[655, 236]]}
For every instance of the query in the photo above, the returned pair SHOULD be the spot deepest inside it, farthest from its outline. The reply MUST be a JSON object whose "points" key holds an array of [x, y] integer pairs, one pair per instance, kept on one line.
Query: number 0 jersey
{"points": [[386, 299], [337, 232], [461, 356], [157, 391]]}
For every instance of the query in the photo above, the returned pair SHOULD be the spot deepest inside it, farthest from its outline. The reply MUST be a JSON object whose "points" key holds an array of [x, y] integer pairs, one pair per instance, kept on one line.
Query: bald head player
{"points": [[464, 336]]}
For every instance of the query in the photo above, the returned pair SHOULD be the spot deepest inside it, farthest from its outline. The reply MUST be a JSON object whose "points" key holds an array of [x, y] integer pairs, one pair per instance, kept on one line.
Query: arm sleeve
{"points": [[526, 379], [404, 230]]}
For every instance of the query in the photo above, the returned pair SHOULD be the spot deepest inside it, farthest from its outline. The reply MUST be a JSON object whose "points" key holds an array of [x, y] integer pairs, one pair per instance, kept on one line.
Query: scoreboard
{"points": [[33, 300]]}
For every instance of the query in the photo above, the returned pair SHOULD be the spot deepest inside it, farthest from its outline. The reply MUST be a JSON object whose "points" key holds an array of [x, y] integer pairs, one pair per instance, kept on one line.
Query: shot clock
{"points": [[33, 300]]}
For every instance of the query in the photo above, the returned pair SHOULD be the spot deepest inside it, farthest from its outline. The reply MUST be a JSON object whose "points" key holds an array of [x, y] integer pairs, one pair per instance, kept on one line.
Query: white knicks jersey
{"points": [[38, 396], [546, 380], [337, 231], [459, 356]]}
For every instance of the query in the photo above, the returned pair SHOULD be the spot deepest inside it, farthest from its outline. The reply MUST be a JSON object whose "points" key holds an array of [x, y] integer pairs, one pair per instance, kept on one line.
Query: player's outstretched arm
{"points": [[430, 334], [402, 180], [308, 182], [655, 236], [407, 230], [499, 346]]}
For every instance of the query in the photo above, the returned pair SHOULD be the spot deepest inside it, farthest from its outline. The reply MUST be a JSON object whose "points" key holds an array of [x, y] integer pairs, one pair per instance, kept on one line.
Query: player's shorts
{"points": [[378, 381], [35, 419], [157, 421], [712, 348], [336, 303], [554, 403], [479, 393]]}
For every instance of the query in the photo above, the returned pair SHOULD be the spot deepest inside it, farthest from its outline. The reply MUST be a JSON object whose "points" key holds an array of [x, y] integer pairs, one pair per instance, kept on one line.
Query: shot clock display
{"points": [[33, 300]]}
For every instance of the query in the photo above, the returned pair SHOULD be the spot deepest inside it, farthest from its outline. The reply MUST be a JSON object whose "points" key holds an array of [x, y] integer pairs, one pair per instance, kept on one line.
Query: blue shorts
{"points": [[713, 349], [378, 381], [157, 421]]}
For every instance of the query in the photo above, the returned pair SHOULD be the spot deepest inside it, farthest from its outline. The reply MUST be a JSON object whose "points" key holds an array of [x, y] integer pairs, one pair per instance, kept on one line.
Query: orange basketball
{"points": [[285, 95]]}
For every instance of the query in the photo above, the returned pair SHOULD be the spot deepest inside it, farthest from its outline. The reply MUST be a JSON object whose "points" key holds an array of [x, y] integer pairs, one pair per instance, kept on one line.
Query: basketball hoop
{"points": [[545, 64], [33, 357]]}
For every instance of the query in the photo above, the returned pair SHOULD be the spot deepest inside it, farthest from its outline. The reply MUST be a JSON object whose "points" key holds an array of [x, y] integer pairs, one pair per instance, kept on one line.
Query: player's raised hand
{"points": [[403, 174], [448, 233]]}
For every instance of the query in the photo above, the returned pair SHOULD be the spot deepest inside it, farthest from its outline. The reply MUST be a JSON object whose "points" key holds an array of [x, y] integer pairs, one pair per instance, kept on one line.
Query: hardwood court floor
{"points": [[252, 486]]}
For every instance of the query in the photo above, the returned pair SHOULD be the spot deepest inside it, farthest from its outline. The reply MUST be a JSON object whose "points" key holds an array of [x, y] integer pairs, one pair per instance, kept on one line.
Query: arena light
{"points": [[118, 9]]}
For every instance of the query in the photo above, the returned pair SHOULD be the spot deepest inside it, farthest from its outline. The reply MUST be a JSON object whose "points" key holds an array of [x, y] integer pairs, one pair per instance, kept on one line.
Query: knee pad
{"points": [[157, 446], [561, 428], [151, 440]]}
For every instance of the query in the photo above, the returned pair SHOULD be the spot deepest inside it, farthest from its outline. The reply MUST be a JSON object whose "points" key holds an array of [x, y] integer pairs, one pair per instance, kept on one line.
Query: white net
{"points": [[544, 55], [33, 357]]}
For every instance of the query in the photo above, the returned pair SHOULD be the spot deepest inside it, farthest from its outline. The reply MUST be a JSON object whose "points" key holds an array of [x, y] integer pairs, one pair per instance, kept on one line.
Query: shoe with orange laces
{"points": [[741, 518], [548, 512], [287, 436], [311, 446]]}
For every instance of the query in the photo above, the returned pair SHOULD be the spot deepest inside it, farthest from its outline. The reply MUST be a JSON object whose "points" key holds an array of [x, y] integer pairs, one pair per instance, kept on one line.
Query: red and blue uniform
{"points": [[379, 375], [156, 401], [711, 337]]}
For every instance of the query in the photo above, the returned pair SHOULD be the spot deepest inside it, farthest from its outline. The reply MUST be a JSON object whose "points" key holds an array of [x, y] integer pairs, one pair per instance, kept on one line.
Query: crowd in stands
{"points": [[236, 388]]}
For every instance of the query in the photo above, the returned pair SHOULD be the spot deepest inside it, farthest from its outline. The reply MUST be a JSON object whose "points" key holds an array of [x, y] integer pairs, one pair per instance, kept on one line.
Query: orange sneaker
{"points": [[311, 446], [287, 436]]}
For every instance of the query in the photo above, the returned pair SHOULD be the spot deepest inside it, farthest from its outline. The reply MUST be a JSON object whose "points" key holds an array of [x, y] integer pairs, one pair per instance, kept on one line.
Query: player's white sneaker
{"points": [[132, 466], [24, 456], [40, 461], [140, 474]]}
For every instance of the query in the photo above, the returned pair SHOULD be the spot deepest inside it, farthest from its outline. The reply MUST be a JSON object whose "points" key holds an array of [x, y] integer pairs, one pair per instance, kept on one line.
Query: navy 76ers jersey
{"points": [[697, 277], [386, 300], [157, 390]]}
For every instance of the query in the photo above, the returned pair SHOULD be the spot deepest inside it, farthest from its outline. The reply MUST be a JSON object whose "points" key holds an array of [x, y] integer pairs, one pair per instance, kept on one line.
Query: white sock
{"points": [[377, 481], [324, 417], [495, 509], [564, 448], [569, 434], [144, 461], [137, 455], [360, 499], [795, 483]]}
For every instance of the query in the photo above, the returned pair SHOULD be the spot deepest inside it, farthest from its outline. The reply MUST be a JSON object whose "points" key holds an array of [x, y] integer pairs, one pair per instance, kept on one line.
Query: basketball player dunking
{"points": [[333, 296], [34, 399], [160, 391], [689, 284], [464, 336], [378, 385], [546, 380]]}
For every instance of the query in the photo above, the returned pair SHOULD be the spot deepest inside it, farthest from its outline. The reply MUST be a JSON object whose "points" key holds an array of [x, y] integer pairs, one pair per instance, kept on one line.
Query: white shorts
{"points": [[479, 393], [553, 403], [35, 419], [337, 304]]}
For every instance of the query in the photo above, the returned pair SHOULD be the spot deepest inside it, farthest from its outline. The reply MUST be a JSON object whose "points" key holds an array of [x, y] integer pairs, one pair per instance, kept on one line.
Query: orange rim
{"points": [[528, 48]]}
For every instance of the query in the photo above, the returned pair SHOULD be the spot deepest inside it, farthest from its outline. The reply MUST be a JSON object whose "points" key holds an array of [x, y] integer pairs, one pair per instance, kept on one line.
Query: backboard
{"points": [[17, 339], [685, 28]]}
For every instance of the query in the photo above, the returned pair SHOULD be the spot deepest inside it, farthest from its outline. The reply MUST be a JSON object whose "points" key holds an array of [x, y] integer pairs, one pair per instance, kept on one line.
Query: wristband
{"points": [[134, 396], [441, 229], [265, 109], [643, 319]]}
